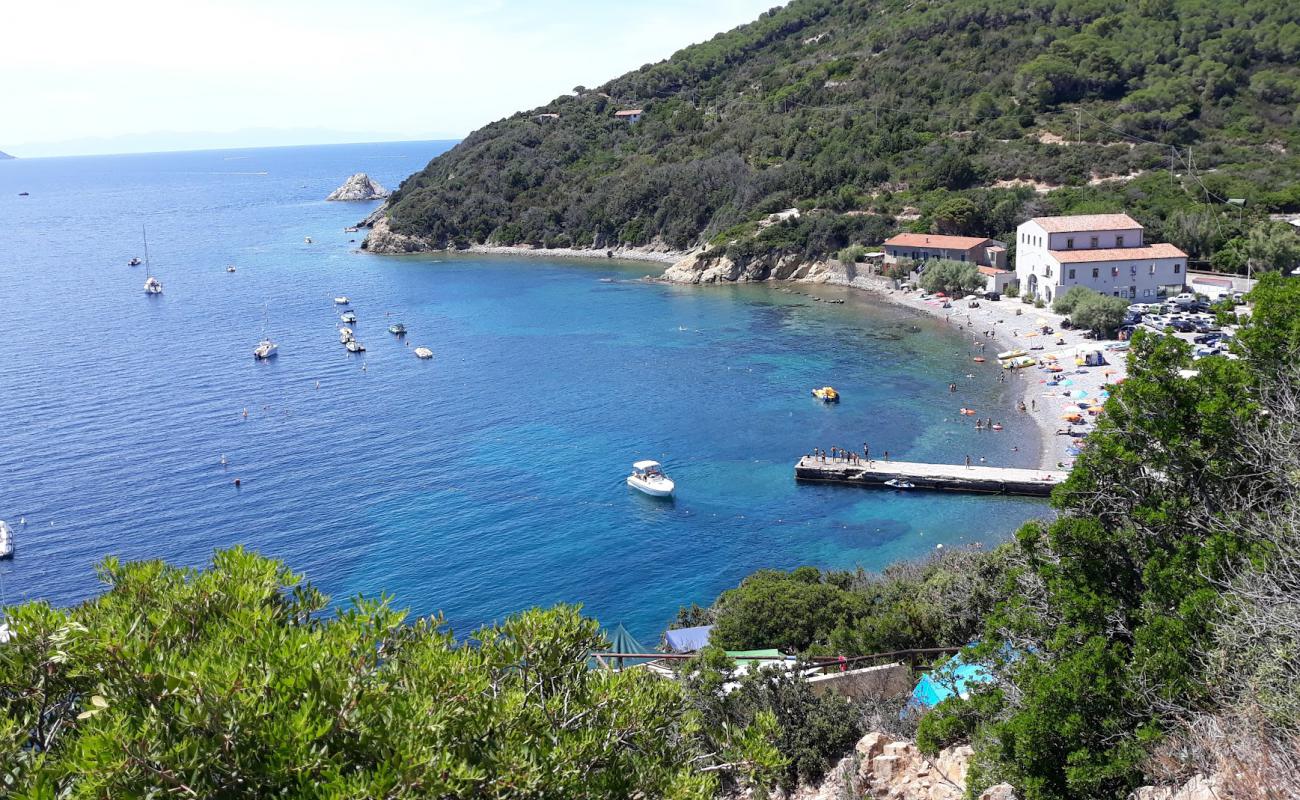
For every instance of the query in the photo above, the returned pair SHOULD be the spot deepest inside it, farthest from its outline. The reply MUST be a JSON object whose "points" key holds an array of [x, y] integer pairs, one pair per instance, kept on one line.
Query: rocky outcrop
{"points": [[383, 239], [359, 187], [1198, 788], [706, 266], [882, 767]]}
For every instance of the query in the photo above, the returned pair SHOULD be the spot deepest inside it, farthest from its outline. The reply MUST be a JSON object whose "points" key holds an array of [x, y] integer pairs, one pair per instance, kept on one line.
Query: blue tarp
{"points": [[953, 678], [688, 640]]}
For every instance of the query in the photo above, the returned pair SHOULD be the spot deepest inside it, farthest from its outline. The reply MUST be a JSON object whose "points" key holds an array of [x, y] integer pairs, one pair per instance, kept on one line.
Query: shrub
{"points": [[951, 277]]}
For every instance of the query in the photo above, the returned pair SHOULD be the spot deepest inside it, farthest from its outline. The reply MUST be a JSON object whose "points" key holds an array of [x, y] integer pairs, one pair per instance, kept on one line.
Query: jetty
{"points": [[947, 477]]}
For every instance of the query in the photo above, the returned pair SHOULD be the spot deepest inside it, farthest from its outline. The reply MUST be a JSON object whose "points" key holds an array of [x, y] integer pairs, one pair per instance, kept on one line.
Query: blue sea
{"points": [[484, 481]]}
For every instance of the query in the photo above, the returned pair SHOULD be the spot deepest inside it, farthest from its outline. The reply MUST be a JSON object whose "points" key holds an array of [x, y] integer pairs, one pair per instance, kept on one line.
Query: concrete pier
{"points": [[948, 477]]}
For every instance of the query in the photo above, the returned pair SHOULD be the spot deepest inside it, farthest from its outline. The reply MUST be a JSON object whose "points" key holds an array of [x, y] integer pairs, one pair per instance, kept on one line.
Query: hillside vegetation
{"points": [[877, 113]]}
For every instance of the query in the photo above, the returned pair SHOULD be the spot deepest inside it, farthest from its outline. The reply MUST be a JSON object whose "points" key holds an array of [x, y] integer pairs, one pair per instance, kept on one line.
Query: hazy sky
{"points": [[88, 69]]}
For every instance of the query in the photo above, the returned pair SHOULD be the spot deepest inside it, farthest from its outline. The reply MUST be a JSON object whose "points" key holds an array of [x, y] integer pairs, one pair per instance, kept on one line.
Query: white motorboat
{"points": [[306, 240], [152, 286], [348, 317], [342, 300], [354, 346], [6, 540], [345, 335], [230, 268], [423, 352], [898, 483], [648, 477]]}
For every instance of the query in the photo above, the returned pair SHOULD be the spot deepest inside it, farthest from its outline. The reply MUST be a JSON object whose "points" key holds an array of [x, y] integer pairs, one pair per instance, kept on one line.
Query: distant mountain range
{"points": [[4, 156], [170, 141], [949, 116]]}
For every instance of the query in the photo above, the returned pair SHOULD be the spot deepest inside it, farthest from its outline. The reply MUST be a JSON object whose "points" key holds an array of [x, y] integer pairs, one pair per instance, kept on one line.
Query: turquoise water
{"points": [[484, 481]]}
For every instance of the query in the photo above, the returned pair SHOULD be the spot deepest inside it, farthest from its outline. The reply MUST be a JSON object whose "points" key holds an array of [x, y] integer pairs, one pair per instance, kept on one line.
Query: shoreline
{"points": [[613, 254], [1007, 334]]}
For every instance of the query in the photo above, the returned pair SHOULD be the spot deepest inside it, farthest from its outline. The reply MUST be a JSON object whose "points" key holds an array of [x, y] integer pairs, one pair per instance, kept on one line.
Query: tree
{"points": [[1099, 313], [790, 611], [951, 277], [1273, 246], [958, 216], [1066, 301], [234, 682]]}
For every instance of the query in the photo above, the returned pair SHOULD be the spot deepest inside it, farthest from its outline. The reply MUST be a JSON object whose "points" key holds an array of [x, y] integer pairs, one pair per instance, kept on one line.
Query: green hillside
{"points": [[882, 113]]}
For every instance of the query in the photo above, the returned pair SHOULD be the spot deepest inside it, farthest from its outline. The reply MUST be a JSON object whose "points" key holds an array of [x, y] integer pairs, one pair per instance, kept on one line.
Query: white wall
{"points": [[1082, 240]]}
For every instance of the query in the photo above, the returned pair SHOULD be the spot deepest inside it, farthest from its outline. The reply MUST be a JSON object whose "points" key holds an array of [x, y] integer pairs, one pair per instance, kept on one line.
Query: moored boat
{"points": [[6, 540], [648, 477], [899, 483], [342, 300], [423, 352], [345, 335], [134, 262], [265, 349], [826, 394], [397, 329], [354, 346], [348, 317]]}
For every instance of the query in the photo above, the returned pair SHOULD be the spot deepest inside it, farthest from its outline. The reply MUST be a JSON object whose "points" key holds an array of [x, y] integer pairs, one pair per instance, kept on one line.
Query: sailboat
{"points": [[266, 348], [151, 284]]}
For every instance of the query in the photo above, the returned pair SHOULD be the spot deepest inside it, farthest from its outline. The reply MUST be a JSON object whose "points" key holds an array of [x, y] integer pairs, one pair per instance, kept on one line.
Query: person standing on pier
{"points": [[866, 452], [967, 462]]}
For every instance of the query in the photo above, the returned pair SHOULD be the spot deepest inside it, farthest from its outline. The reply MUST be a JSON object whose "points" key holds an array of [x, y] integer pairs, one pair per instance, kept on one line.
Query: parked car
{"points": [[1208, 338], [1182, 325], [1238, 298], [1184, 300]]}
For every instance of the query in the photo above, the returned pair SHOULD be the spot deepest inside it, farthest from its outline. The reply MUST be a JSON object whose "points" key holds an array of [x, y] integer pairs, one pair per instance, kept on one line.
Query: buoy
{"points": [[997, 426], [237, 482]]}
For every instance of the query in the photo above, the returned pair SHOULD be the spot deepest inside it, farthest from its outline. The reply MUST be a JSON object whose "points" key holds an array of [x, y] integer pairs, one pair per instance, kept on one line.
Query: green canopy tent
{"points": [[620, 641]]}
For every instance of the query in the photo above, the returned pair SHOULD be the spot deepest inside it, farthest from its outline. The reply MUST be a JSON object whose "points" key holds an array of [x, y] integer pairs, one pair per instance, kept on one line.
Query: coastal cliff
{"points": [[713, 265], [359, 187]]}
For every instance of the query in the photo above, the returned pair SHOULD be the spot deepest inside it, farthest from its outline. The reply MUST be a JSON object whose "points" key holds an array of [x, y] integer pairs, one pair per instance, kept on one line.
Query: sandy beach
{"points": [[1009, 324]]}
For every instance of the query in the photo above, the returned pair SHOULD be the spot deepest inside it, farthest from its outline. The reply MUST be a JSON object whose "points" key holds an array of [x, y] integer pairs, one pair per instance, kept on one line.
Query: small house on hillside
{"points": [[629, 114], [926, 246], [546, 117], [997, 280]]}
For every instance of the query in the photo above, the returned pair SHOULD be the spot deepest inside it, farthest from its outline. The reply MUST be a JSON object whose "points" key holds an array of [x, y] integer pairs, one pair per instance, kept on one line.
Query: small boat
{"points": [[342, 300], [230, 268], [152, 285], [306, 240], [968, 412], [349, 317], [826, 394], [1010, 354], [899, 483], [345, 335], [979, 359], [134, 262], [24, 194], [6, 540], [354, 346], [648, 477], [349, 230], [397, 329], [423, 352]]}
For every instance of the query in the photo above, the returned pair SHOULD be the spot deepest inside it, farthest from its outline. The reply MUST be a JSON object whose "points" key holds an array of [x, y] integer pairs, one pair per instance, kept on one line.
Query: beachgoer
{"points": [[1033, 403], [967, 462], [886, 455]]}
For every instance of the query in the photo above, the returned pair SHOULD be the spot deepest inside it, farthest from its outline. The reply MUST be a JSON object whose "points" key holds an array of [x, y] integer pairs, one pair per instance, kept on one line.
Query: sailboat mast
{"points": [[145, 234]]}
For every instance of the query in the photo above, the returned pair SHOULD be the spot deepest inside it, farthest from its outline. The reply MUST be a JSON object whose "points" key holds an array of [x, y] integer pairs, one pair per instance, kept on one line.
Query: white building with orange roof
{"points": [[1104, 252]]}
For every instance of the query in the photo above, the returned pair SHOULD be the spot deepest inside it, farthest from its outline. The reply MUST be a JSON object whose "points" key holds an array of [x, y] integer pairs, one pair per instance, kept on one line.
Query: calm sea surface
{"points": [[484, 481]]}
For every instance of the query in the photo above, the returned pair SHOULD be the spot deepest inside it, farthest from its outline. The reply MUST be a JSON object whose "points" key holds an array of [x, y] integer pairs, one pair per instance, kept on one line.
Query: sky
{"points": [[86, 76]]}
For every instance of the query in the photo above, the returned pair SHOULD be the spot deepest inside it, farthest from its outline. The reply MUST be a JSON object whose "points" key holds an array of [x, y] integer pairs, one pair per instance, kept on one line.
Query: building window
{"points": [[1119, 241], [1094, 272], [1132, 269], [1069, 244], [1146, 292], [1178, 267], [1153, 269], [1071, 274], [1114, 272]]}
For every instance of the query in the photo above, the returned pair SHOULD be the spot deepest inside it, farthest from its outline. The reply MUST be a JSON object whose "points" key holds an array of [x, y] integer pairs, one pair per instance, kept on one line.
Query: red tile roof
{"points": [[629, 112], [934, 240], [1087, 222], [1086, 256], [993, 271]]}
